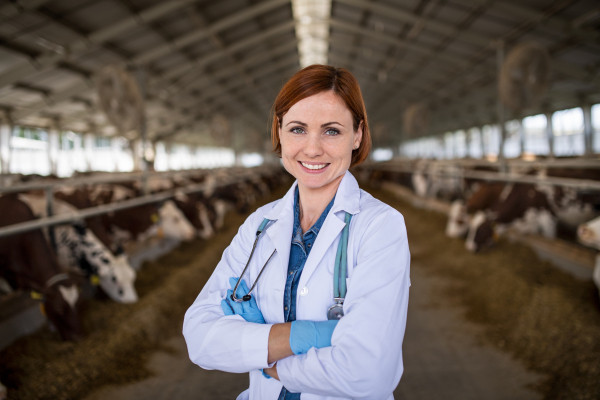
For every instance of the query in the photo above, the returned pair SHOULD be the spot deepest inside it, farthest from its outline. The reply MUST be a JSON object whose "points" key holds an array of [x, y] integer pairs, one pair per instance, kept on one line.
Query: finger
{"points": [[242, 288], [232, 282], [226, 308]]}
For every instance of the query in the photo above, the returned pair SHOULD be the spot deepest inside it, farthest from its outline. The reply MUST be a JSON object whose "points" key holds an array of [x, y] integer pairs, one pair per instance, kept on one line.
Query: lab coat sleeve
{"points": [[226, 343], [365, 359]]}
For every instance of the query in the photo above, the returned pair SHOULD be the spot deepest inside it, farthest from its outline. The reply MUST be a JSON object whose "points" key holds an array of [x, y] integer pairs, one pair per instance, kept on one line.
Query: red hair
{"points": [[315, 79]]}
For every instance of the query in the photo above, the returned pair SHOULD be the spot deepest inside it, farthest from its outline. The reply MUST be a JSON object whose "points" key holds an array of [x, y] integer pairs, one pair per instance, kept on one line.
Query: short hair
{"points": [[316, 79]]}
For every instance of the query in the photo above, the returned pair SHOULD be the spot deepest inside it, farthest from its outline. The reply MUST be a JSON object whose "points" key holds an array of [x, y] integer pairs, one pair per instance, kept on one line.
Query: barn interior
{"points": [[141, 129]]}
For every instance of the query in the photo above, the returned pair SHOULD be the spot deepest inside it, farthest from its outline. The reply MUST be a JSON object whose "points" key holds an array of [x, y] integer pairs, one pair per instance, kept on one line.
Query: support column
{"points": [[588, 130], [482, 142], [521, 137], [88, 149], [5, 135], [500, 108], [53, 148], [550, 134], [115, 152]]}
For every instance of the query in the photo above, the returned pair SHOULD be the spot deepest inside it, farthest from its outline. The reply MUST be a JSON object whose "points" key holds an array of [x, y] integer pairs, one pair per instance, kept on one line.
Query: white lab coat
{"points": [[365, 359]]}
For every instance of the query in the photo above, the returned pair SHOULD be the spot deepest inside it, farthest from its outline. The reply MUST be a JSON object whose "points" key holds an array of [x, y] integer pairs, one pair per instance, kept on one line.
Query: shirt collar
{"points": [[318, 224]]}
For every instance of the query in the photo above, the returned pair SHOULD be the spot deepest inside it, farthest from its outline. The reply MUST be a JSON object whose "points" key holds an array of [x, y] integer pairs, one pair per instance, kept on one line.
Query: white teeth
{"points": [[310, 166]]}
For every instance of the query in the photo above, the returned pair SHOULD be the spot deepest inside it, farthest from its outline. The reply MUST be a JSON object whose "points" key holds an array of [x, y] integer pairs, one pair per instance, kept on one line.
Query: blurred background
{"points": [[134, 140]]}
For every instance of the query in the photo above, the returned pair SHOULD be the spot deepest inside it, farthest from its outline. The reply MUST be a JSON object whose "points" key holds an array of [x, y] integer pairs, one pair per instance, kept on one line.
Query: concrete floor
{"points": [[442, 355]]}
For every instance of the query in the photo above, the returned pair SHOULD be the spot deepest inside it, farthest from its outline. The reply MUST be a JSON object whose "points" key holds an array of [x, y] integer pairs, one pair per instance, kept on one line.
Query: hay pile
{"points": [[119, 337], [544, 317]]}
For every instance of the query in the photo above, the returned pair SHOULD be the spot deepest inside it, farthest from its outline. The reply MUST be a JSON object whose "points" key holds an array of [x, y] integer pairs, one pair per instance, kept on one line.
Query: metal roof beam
{"points": [[200, 62], [18, 7], [426, 51], [404, 15], [199, 34], [538, 17], [50, 60], [219, 74]]}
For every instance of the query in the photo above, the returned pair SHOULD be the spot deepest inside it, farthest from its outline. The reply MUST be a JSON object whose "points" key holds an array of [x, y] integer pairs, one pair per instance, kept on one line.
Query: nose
{"points": [[313, 146]]}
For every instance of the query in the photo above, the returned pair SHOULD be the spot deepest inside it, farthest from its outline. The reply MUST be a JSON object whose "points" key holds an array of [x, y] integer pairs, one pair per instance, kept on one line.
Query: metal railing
{"points": [[582, 184], [81, 215]]}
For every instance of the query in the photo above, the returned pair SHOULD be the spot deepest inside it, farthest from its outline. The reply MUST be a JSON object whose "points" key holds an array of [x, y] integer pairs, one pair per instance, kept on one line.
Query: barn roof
{"points": [[199, 58]]}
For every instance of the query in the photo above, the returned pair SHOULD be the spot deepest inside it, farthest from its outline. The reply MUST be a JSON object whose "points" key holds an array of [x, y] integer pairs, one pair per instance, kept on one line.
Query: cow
{"points": [[572, 206], [28, 263], [79, 250], [483, 198], [141, 222], [524, 210], [589, 234], [80, 199]]}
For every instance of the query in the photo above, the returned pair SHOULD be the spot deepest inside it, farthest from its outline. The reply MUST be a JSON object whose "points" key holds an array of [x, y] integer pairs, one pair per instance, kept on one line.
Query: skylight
{"points": [[312, 30]]}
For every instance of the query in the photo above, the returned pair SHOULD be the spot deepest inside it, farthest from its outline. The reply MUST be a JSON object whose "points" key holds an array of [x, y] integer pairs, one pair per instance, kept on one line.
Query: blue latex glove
{"points": [[307, 334], [247, 309]]}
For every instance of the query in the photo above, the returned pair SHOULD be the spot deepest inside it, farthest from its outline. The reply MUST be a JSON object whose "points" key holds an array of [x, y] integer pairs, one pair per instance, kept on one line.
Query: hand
{"points": [[247, 309], [307, 334]]}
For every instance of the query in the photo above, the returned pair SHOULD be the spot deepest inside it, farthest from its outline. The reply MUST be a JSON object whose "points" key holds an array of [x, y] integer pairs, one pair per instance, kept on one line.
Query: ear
{"points": [[358, 135]]}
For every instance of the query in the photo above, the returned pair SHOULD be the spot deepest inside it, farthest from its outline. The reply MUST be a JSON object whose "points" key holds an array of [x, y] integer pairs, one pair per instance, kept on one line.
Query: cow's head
{"points": [[116, 276], [117, 280], [481, 233], [589, 233], [60, 304], [458, 220], [174, 224]]}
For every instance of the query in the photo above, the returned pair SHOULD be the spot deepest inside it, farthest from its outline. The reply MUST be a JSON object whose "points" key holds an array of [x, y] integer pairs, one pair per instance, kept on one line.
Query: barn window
{"points": [[568, 132]]}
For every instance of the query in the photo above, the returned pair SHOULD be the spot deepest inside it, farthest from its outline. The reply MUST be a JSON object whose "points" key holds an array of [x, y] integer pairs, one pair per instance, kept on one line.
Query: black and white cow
{"points": [[78, 249]]}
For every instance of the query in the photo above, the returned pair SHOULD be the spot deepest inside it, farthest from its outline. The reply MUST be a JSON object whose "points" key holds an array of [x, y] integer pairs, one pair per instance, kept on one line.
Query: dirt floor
{"points": [[524, 307], [543, 317], [120, 338]]}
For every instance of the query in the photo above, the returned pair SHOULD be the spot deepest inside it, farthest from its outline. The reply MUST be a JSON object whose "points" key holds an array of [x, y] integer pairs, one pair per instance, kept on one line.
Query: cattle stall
{"points": [[195, 196]]}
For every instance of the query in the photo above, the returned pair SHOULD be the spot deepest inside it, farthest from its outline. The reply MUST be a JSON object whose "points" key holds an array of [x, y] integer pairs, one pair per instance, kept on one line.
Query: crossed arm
{"points": [[285, 339]]}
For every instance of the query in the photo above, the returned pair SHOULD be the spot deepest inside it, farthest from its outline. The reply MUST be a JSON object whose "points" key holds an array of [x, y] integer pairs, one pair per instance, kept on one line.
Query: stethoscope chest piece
{"points": [[336, 311], [245, 298]]}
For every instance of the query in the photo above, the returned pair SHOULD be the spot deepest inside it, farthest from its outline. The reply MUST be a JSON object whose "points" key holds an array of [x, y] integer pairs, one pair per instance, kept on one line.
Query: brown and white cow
{"points": [[27, 262], [525, 210], [589, 234], [483, 198]]}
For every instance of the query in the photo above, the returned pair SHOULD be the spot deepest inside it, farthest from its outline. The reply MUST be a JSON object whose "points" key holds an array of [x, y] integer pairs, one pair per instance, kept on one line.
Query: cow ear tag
{"points": [[36, 295], [154, 218], [95, 280]]}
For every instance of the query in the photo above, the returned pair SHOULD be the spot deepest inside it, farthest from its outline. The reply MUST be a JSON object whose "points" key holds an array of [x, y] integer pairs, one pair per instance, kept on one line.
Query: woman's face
{"points": [[317, 138]]}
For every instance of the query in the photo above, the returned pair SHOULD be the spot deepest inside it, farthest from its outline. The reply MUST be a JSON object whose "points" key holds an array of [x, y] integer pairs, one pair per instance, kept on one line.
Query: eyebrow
{"points": [[322, 126]]}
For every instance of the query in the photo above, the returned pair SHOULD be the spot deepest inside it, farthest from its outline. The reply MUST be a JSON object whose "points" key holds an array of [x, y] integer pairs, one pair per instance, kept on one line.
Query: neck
{"points": [[313, 201]]}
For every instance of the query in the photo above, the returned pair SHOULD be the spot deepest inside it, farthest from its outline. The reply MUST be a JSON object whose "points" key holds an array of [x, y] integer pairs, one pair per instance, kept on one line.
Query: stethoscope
{"points": [[334, 312]]}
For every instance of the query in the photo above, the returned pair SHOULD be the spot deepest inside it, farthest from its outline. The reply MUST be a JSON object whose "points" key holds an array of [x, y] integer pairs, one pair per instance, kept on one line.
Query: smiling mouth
{"points": [[314, 166]]}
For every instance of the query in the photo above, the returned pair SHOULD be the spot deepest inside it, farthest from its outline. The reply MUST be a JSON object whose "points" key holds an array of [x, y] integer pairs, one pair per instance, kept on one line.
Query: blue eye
{"points": [[297, 130], [332, 132]]}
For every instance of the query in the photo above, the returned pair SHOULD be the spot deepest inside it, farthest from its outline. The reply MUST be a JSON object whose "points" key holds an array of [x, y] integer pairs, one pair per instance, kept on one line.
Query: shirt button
{"points": [[291, 272], [309, 244], [304, 291], [285, 308]]}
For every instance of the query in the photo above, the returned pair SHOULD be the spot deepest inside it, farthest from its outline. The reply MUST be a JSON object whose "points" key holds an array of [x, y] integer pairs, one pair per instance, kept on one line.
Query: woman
{"points": [[281, 334]]}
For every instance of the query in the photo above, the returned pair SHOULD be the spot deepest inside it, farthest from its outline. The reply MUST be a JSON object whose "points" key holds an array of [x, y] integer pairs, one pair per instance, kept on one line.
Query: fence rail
{"points": [[582, 184], [116, 206]]}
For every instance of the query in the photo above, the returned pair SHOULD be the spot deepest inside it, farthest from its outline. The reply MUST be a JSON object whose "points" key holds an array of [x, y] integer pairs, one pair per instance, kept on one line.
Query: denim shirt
{"points": [[299, 251]]}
